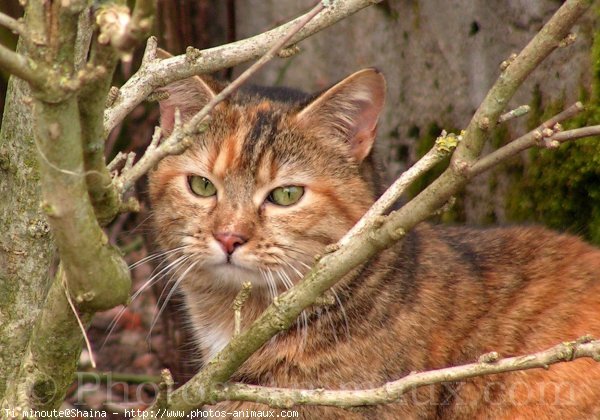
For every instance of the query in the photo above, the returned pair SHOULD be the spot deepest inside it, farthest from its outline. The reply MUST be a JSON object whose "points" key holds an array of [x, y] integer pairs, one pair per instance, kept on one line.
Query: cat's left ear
{"points": [[188, 96], [349, 109]]}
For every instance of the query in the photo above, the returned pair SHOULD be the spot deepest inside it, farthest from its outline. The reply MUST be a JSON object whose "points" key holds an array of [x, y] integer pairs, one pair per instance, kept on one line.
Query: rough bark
{"points": [[26, 249], [49, 132]]}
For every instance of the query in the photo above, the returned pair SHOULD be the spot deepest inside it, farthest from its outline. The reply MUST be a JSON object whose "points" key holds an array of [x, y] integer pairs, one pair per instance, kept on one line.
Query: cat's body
{"points": [[441, 297]]}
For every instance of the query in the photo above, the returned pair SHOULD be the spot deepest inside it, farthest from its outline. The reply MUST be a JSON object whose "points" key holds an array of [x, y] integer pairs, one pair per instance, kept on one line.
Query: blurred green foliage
{"points": [[561, 188]]}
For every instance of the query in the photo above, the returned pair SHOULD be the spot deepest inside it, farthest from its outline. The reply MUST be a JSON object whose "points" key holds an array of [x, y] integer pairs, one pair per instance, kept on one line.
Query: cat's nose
{"points": [[230, 241]]}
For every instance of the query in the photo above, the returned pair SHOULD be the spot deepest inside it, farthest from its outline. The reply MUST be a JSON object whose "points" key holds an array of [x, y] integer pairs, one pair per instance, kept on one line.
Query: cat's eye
{"points": [[286, 196], [201, 186]]}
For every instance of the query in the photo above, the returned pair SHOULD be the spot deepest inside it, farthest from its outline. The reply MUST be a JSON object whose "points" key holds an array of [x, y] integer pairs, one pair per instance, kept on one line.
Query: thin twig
{"points": [[530, 139], [165, 388], [392, 391], [113, 165], [395, 191], [576, 133], [12, 24], [242, 78], [150, 50], [157, 74], [238, 304], [515, 113], [153, 154], [570, 112]]}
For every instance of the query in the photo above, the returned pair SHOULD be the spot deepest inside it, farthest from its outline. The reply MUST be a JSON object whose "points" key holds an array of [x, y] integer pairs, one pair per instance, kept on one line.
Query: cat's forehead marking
{"points": [[240, 149], [227, 155], [258, 145], [264, 106], [260, 137]]}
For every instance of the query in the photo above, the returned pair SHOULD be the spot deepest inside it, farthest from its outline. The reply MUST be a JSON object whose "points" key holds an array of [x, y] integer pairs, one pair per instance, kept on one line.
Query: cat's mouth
{"points": [[235, 273], [230, 264]]}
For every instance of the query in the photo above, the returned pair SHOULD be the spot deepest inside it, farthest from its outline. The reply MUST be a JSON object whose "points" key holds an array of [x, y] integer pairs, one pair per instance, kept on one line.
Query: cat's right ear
{"points": [[350, 109], [188, 95]]}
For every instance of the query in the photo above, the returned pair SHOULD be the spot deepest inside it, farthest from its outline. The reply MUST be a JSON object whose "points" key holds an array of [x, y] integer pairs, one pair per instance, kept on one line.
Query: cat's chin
{"points": [[230, 274]]}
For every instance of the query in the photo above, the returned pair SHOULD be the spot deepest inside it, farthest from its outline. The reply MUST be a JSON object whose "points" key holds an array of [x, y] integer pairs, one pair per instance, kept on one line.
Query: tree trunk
{"points": [[26, 248]]}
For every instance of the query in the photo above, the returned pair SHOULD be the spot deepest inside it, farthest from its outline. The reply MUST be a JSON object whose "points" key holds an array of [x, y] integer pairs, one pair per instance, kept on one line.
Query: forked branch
{"points": [[443, 147], [548, 135]]}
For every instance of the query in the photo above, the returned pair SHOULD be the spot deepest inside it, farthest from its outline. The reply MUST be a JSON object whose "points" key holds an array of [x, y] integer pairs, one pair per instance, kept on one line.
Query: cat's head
{"points": [[270, 182]]}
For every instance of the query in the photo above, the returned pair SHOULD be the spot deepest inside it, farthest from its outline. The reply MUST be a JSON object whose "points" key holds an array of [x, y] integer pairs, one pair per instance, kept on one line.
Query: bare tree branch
{"points": [[576, 133], [45, 358], [20, 66], [160, 73], [392, 391], [95, 272], [515, 113], [119, 32], [153, 154], [14, 25], [531, 139], [97, 276], [439, 152], [238, 304]]}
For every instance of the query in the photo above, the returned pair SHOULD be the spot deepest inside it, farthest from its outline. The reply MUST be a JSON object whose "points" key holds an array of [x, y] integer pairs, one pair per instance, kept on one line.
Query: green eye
{"points": [[286, 196], [201, 186]]}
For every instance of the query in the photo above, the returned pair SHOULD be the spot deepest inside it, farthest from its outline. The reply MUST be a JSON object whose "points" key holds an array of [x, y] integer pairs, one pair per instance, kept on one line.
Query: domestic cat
{"points": [[276, 177]]}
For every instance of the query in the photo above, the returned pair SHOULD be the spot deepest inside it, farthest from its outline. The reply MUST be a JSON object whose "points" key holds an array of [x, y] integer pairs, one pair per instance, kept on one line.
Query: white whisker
{"points": [[285, 279], [336, 296], [155, 256], [153, 279], [335, 337], [174, 271], [170, 294], [272, 283], [272, 293], [304, 264], [339, 302]]}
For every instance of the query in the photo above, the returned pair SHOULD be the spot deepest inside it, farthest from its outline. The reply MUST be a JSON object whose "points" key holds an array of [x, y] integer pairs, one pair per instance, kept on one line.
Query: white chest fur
{"points": [[212, 340]]}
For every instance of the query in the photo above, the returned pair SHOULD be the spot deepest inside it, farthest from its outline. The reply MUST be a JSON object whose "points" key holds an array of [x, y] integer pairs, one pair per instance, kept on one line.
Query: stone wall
{"points": [[439, 58]]}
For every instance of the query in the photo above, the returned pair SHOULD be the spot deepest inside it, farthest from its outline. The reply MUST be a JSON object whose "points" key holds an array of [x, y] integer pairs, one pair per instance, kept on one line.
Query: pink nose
{"points": [[230, 241]]}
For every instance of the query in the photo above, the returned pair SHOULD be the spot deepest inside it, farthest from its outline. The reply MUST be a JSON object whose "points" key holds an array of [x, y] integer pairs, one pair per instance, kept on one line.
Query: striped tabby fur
{"points": [[441, 297]]}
